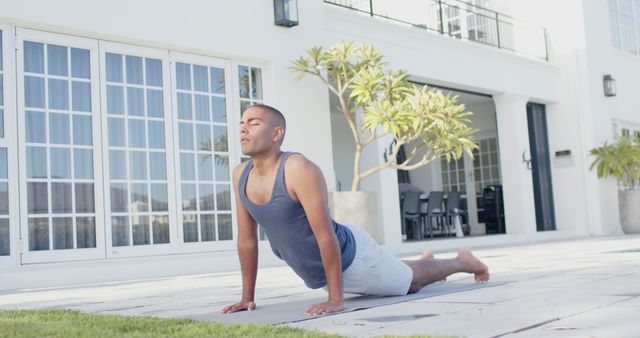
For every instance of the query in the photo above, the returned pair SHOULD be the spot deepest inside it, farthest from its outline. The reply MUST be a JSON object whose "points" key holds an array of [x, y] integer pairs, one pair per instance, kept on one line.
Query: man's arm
{"points": [[308, 184], [247, 251]]}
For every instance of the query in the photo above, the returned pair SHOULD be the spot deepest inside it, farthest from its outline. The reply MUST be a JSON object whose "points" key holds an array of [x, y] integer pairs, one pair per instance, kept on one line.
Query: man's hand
{"points": [[324, 308], [240, 306]]}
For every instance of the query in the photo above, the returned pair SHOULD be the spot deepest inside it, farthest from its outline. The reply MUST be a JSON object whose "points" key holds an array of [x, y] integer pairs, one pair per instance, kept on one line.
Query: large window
{"points": [[624, 21], [203, 133], [58, 146]]}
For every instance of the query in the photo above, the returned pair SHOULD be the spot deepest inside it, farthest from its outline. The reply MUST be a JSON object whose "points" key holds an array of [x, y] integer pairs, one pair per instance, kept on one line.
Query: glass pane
{"points": [[33, 57], [221, 136], [82, 130], [57, 61], [116, 132], [135, 101], [244, 105], [36, 162], [208, 227], [4, 198], [117, 165], [137, 135], [141, 235], [85, 198], [80, 66], [202, 107], [156, 134], [154, 72], [223, 197], [159, 201], [134, 69], [34, 92], [190, 228], [203, 137], [139, 198], [155, 105], [183, 76], [35, 127], [61, 198], [1, 117], [189, 198], [59, 128], [200, 79], [205, 168], [138, 165], [256, 83], [86, 232], [160, 229], [186, 136], [5, 234], [157, 167], [38, 234], [222, 168], [114, 67], [217, 80], [120, 231], [62, 233], [184, 106], [81, 96], [187, 167], [3, 163], [60, 163], [1, 88], [119, 199], [206, 197], [58, 94], [243, 80], [115, 100], [225, 232]]}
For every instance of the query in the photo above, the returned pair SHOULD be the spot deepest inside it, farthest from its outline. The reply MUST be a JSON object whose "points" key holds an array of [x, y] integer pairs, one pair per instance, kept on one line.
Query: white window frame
{"points": [[150, 249], [51, 255], [234, 149], [10, 142], [635, 18]]}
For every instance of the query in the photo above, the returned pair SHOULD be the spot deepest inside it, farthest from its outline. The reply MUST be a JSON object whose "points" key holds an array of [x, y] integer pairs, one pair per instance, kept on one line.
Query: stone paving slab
{"points": [[576, 288]]}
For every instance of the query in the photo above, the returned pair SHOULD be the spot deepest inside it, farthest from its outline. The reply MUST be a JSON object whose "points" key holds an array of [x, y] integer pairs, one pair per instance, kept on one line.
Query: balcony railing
{"points": [[460, 20]]}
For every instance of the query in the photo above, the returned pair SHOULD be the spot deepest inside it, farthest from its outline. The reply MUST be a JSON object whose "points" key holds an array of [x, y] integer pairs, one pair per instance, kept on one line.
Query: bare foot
{"points": [[473, 265]]}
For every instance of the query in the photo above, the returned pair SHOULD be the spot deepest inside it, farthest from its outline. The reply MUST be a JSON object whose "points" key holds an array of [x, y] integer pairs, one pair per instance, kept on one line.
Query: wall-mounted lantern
{"points": [[609, 84], [285, 12]]}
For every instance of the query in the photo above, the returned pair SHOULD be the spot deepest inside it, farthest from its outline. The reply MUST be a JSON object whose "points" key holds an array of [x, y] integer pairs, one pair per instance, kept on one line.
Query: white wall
{"points": [[343, 145]]}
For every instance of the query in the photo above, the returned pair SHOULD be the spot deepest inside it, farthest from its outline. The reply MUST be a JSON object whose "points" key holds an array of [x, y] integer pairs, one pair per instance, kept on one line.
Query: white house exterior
{"points": [[119, 121]]}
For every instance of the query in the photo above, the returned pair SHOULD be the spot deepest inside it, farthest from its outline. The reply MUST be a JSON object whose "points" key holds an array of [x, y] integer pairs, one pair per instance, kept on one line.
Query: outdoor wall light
{"points": [[609, 84], [286, 12]]}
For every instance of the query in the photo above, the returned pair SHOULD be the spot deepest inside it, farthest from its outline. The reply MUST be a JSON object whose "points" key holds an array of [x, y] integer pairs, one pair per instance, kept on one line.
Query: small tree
{"points": [[620, 160], [428, 123]]}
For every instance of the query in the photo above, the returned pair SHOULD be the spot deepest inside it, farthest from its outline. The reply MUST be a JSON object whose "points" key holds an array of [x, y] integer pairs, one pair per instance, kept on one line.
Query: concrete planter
{"points": [[630, 211], [358, 208]]}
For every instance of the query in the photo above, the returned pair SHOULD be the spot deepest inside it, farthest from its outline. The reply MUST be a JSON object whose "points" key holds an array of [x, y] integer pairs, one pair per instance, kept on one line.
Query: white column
{"points": [[517, 182], [385, 184]]}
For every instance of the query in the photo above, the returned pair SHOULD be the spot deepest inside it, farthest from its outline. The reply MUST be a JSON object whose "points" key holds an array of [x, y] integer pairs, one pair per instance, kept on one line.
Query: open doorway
{"points": [[475, 180]]}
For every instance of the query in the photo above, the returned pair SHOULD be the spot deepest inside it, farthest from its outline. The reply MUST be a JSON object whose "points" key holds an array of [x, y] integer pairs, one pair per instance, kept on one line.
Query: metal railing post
{"points": [[441, 17], [498, 28], [371, 8]]}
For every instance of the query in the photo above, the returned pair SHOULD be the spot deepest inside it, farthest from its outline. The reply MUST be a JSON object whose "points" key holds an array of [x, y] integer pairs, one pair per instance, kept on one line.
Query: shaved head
{"points": [[276, 116]]}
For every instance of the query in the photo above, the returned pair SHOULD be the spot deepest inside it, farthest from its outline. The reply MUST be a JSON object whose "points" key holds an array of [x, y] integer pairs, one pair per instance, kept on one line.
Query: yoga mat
{"points": [[291, 312]]}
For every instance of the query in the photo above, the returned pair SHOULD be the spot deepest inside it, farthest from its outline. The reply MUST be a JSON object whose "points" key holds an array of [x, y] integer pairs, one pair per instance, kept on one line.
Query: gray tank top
{"points": [[289, 232]]}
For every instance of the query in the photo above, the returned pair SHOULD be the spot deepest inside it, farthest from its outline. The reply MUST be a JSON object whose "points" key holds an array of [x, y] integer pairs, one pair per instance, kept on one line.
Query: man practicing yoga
{"points": [[287, 195]]}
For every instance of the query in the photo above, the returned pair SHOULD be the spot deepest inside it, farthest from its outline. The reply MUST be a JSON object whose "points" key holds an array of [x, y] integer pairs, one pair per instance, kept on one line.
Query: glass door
{"points": [[59, 152]]}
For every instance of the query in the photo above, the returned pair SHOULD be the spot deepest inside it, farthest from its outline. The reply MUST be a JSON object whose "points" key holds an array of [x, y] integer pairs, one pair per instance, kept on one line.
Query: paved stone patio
{"points": [[577, 288]]}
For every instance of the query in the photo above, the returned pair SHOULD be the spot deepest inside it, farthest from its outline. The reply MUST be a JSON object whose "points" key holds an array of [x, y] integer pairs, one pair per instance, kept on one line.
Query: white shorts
{"points": [[374, 271]]}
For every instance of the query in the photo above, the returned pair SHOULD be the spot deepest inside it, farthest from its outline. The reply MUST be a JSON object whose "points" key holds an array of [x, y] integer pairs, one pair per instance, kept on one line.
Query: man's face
{"points": [[257, 132]]}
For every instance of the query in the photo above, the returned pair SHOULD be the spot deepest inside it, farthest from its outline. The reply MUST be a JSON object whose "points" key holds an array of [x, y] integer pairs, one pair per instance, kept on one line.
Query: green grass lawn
{"points": [[67, 324]]}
